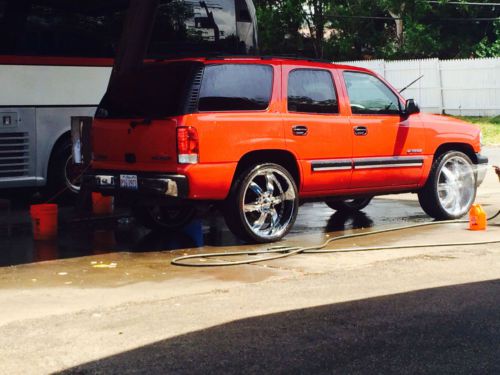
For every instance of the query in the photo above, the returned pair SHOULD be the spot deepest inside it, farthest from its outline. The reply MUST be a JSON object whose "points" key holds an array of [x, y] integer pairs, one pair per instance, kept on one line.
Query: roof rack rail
{"points": [[268, 57]]}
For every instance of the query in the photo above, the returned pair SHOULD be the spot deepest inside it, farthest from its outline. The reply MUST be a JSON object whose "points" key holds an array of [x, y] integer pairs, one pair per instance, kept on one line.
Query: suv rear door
{"points": [[135, 124], [387, 147], [315, 132]]}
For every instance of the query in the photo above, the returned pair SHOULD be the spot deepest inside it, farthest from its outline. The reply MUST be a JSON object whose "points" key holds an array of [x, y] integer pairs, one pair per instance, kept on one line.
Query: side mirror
{"points": [[411, 107]]}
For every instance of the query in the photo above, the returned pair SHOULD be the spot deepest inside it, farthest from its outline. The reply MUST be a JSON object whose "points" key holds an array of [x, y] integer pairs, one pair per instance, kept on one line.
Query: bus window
{"points": [[89, 28], [92, 28], [199, 28]]}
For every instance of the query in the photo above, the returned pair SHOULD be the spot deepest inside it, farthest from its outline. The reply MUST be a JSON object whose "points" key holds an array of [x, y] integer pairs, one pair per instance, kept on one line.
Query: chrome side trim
{"points": [[321, 169], [331, 165], [375, 166], [367, 163], [389, 162]]}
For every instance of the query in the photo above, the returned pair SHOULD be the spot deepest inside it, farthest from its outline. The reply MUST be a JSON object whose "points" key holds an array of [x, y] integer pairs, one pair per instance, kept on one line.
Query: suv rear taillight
{"points": [[187, 145]]}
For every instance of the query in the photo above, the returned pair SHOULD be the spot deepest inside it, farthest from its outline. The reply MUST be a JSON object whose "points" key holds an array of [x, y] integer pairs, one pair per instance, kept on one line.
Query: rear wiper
{"points": [[134, 123]]}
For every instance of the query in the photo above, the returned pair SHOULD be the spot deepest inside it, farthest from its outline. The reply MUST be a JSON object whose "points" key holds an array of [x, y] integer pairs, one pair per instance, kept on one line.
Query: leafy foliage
{"points": [[365, 29]]}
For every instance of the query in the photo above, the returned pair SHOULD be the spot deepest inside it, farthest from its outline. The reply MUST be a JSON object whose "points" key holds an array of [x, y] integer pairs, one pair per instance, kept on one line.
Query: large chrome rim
{"points": [[456, 186], [269, 203]]}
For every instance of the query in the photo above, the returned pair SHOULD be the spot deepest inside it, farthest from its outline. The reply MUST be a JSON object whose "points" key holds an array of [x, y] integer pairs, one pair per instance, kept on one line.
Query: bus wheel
{"points": [[64, 178]]}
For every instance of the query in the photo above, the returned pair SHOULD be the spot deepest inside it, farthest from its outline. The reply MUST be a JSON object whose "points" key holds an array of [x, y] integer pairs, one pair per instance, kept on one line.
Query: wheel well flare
{"points": [[280, 157]]}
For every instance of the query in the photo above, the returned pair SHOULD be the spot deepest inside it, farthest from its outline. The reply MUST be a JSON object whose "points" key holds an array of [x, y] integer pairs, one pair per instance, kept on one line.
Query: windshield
{"points": [[155, 91]]}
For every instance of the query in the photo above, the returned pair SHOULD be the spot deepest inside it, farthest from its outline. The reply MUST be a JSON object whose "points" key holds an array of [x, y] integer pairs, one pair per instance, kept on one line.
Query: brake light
{"points": [[187, 145]]}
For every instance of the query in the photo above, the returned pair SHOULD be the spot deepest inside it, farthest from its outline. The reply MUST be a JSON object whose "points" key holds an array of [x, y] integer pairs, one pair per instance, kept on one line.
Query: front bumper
{"points": [[481, 169], [148, 184]]}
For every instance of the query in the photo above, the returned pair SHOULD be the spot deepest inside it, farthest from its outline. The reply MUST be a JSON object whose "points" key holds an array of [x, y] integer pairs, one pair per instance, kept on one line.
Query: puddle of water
{"points": [[118, 235]]}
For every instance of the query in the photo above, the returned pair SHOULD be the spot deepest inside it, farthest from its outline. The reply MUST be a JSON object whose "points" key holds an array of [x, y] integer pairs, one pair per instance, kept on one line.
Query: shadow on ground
{"points": [[443, 330]]}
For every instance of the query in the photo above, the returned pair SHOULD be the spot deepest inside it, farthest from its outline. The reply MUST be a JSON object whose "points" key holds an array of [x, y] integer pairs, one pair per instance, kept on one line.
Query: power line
{"points": [[463, 3], [476, 19]]}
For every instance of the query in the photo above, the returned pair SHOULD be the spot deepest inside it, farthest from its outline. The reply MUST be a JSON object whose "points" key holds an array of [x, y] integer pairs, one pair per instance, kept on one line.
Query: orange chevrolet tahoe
{"points": [[259, 135]]}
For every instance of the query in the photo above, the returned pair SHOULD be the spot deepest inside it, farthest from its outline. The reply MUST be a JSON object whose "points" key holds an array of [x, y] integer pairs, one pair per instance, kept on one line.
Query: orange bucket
{"points": [[477, 218], [44, 221], [102, 205]]}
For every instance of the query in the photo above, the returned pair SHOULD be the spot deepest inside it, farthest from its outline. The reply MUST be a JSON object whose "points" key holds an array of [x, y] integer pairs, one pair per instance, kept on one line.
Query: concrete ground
{"points": [[427, 310]]}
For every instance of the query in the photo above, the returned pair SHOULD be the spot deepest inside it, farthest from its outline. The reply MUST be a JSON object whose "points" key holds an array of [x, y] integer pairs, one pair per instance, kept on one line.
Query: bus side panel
{"points": [[17, 147], [51, 125]]}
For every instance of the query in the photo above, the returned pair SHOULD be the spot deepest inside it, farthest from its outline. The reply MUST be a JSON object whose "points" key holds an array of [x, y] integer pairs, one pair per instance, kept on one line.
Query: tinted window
{"points": [[92, 28], [195, 28], [231, 87], [156, 91], [311, 91], [369, 95], [89, 28]]}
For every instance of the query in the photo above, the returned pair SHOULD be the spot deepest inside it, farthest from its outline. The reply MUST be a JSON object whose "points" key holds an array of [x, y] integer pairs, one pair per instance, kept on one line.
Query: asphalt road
{"points": [[447, 330]]}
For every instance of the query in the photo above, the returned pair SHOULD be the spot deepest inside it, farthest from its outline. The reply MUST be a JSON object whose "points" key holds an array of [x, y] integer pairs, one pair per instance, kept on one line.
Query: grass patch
{"points": [[490, 127]]}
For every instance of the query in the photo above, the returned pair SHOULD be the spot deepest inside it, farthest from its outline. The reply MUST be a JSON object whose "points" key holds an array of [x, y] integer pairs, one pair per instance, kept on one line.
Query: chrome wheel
{"points": [[269, 203], [456, 186]]}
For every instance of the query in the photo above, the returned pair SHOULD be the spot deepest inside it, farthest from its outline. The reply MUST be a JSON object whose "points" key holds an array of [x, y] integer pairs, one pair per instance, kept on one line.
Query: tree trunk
{"points": [[399, 26]]}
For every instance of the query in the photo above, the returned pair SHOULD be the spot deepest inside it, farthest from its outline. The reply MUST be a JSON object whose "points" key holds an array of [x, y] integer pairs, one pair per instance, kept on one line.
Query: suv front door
{"points": [[315, 132], [387, 146]]}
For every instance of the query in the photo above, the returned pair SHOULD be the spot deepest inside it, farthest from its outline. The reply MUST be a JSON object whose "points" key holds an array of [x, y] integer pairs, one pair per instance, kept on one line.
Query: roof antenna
{"points": [[411, 84]]}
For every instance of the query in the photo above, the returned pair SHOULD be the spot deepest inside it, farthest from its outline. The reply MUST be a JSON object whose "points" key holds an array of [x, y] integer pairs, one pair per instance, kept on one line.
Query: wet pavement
{"points": [[85, 236]]}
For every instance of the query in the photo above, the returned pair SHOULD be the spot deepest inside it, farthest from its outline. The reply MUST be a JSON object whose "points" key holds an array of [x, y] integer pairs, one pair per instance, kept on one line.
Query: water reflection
{"points": [[45, 250], [103, 240], [189, 237], [92, 237], [109, 236], [348, 220]]}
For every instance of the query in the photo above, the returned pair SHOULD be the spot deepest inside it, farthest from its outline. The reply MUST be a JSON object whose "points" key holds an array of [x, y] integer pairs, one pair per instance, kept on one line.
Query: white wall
{"points": [[469, 87]]}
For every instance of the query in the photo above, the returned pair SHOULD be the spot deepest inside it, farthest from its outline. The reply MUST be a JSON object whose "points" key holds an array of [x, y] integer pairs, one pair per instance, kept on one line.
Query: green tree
{"points": [[487, 47], [360, 29], [279, 25]]}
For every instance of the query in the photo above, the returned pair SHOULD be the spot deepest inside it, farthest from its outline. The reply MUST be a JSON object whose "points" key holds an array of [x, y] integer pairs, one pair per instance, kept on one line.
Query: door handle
{"points": [[300, 130], [360, 130]]}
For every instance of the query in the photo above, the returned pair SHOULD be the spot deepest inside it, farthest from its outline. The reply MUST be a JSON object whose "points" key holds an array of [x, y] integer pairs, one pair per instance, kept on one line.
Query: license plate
{"points": [[129, 181]]}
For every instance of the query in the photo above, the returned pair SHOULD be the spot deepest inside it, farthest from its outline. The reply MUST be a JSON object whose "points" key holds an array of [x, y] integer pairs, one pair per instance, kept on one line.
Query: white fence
{"points": [[456, 87]]}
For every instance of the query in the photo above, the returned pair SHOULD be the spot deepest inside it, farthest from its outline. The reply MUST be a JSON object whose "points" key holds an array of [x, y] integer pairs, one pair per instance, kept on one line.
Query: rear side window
{"points": [[236, 87], [369, 95], [311, 91]]}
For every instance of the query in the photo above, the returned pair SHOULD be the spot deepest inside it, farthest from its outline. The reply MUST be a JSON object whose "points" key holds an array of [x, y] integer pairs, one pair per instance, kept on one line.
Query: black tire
{"points": [[349, 205], [431, 196], [63, 181], [164, 218], [274, 210]]}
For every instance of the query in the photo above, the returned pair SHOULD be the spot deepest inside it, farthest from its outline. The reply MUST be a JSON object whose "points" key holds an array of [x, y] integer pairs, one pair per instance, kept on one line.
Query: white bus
{"points": [[56, 57]]}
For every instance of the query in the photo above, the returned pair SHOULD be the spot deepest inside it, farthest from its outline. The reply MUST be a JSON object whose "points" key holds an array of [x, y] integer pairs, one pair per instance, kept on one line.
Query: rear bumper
{"points": [[148, 184], [482, 161]]}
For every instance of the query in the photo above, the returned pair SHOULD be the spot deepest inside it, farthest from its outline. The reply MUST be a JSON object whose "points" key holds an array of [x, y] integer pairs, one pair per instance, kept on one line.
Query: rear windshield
{"points": [[156, 91], [236, 87]]}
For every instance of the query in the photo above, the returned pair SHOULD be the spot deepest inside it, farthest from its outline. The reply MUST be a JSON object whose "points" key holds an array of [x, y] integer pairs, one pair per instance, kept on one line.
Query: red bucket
{"points": [[102, 205], [44, 220]]}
